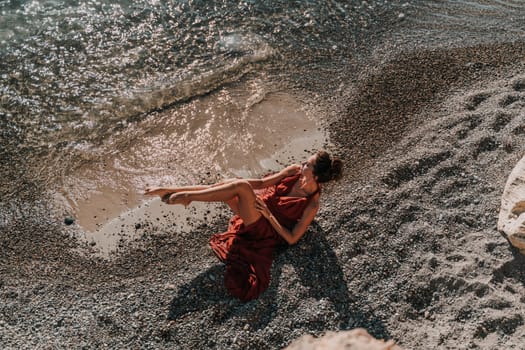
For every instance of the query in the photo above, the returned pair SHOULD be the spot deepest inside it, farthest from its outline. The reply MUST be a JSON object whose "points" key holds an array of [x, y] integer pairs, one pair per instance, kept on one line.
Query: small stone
{"points": [[137, 226], [170, 286], [68, 220]]}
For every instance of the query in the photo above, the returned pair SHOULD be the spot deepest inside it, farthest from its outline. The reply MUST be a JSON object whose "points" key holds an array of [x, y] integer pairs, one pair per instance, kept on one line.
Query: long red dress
{"points": [[247, 250]]}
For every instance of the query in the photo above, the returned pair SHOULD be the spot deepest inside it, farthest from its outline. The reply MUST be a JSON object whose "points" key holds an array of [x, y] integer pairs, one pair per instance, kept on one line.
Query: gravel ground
{"points": [[405, 245]]}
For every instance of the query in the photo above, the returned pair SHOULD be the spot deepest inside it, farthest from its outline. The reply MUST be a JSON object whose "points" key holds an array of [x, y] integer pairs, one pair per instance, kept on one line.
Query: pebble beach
{"points": [[405, 245]]}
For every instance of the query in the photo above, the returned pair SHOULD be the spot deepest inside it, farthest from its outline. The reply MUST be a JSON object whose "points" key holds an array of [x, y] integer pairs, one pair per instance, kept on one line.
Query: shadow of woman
{"points": [[319, 271], [204, 292]]}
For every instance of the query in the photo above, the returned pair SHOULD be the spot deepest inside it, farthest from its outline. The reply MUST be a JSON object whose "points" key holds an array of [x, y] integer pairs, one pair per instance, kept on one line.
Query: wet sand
{"points": [[405, 246], [106, 198]]}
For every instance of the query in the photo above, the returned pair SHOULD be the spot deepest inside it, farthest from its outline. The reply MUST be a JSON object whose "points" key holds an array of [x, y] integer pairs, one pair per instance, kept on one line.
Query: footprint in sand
{"points": [[518, 84], [412, 169], [466, 125], [485, 144], [519, 130], [473, 101], [501, 119], [509, 99], [506, 324]]}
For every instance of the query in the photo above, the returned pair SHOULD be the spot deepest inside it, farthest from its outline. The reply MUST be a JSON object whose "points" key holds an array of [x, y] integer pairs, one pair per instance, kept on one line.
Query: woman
{"points": [[271, 211]]}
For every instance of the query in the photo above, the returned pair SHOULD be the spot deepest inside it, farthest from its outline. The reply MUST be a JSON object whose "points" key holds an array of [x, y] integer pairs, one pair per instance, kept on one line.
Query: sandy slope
{"points": [[405, 246], [426, 219]]}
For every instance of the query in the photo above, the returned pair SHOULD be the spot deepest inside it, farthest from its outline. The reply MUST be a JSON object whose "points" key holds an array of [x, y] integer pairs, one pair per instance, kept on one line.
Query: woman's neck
{"points": [[308, 185]]}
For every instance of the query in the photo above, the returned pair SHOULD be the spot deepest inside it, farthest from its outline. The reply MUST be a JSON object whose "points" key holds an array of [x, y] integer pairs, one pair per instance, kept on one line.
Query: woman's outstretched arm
{"points": [[299, 229], [274, 179]]}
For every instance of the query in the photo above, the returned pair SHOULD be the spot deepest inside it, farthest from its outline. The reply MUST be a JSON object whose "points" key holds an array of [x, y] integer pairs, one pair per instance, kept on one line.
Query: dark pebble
{"points": [[69, 220]]}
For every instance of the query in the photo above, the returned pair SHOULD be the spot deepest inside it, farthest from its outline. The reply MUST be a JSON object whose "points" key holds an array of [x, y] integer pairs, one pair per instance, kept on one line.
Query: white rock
{"points": [[355, 339], [511, 219]]}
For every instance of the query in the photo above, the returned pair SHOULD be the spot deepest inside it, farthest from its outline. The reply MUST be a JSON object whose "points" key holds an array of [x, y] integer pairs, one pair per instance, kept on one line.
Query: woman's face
{"points": [[307, 168]]}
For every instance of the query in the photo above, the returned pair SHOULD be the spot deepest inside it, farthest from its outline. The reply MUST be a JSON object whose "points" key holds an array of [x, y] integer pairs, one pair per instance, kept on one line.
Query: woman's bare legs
{"points": [[238, 193], [165, 192], [162, 191]]}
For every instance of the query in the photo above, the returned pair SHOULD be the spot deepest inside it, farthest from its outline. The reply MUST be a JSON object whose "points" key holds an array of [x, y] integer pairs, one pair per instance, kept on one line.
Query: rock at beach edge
{"points": [[511, 219], [355, 339]]}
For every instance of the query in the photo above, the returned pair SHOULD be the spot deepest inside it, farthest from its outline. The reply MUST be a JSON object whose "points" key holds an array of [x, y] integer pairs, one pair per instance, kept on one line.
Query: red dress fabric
{"points": [[247, 250]]}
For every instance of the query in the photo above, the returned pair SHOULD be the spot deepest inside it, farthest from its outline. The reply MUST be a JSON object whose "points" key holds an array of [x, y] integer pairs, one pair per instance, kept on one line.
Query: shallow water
{"points": [[100, 98], [200, 142]]}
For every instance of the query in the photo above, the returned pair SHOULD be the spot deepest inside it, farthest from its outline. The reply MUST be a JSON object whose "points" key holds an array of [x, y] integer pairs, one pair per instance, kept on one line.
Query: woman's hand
{"points": [[291, 170], [262, 208]]}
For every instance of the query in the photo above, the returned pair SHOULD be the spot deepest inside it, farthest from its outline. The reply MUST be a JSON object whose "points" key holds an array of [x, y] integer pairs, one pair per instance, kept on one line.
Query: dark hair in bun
{"points": [[327, 168]]}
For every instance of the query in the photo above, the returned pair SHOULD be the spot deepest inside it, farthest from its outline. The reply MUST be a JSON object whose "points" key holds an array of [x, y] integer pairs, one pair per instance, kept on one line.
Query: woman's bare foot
{"points": [[157, 191], [182, 198]]}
